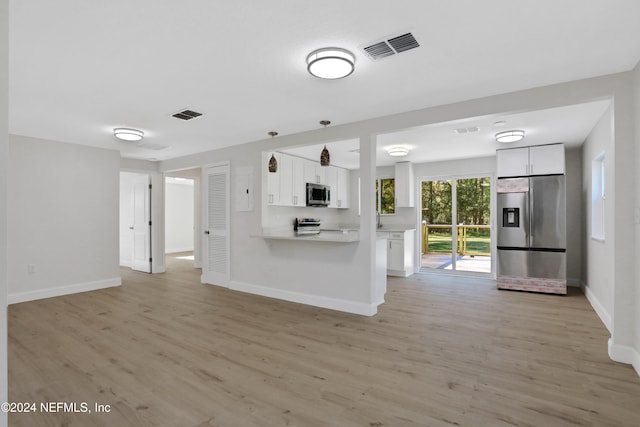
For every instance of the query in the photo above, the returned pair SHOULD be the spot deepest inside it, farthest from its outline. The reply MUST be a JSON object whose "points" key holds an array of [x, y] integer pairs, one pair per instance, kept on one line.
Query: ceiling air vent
{"points": [[391, 46], [379, 50], [186, 115], [152, 146], [403, 43], [470, 129]]}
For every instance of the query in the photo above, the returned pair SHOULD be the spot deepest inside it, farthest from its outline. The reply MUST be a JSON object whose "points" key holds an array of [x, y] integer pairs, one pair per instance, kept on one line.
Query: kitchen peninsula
{"points": [[328, 236]]}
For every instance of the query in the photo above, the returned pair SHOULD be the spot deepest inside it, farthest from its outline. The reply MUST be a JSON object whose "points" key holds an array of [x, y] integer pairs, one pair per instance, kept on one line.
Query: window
{"points": [[385, 196], [598, 196]]}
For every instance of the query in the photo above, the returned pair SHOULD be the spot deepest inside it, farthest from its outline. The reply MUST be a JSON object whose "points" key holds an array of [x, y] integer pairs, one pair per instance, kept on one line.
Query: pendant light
{"points": [[325, 157], [273, 163]]}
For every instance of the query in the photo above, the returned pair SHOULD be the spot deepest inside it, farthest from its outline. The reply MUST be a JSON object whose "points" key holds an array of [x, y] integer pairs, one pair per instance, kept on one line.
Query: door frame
{"points": [[454, 227], [198, 195]]}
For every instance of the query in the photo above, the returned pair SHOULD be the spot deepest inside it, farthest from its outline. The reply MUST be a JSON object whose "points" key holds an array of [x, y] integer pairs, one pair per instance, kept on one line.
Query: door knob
{"points": [[206, 231], [131, 228]]}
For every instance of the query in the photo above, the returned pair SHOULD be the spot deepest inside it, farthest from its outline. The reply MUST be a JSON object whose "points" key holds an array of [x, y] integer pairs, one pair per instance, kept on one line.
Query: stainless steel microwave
{"points": [[318, 195]]}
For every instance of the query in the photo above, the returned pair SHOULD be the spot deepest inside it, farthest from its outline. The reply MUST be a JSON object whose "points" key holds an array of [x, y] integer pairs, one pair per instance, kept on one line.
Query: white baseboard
{"points": [[314, 300], [176, 250], [625, 354], [125, 263], [598, 307], [19, 297]]}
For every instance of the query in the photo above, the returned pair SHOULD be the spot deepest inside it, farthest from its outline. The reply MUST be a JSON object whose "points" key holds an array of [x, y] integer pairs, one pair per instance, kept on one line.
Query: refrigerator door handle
{"points": [[530, 214]]}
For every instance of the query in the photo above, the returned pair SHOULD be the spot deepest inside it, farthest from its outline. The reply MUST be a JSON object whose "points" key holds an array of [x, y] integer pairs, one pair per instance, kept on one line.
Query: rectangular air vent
{"points": [[379, 50], [152, 146], [186, 115], [403, 43], [391, 46], [470, 129]]}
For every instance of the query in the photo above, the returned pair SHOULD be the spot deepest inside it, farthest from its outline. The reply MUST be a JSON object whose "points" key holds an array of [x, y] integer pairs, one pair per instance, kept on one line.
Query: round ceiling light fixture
{"points": [[127, 134], [510, 136], [398, 151], [331, 63]]}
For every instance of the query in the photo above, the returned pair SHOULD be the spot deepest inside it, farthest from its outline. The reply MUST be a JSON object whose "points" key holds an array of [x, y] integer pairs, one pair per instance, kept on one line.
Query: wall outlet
{"points": [[31, 268]]}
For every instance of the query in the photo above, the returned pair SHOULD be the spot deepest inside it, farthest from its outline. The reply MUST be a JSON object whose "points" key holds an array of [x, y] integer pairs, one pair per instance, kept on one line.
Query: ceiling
{"points": [[79, 69], [441, 141]]}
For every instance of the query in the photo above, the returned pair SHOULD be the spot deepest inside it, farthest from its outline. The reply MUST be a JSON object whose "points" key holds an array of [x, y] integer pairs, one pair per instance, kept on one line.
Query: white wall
{"points": [[63, 211], [179, 216], [598, 255], [4, 141], [573, 162]]}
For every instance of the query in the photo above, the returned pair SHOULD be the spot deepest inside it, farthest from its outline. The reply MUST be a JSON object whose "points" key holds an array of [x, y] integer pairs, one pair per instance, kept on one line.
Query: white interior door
{"points": [[141, 224], [216, 232]]}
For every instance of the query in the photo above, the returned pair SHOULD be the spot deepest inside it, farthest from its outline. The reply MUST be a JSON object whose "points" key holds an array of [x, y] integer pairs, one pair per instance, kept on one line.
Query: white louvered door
{"points": [[216, 233]]}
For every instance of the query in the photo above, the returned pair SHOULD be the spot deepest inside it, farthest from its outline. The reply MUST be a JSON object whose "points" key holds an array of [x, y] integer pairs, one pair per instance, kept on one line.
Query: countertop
{"points": [[394, 229], [383, 229], [329, 236]]}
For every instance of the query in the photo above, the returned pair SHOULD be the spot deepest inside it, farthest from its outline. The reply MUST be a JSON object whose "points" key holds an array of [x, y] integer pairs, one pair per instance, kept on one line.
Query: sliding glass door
{"points": [[462, 245]]}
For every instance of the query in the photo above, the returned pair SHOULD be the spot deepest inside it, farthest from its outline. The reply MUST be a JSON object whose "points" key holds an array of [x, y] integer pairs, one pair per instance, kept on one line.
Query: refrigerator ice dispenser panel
{"points": [[511, 217]]}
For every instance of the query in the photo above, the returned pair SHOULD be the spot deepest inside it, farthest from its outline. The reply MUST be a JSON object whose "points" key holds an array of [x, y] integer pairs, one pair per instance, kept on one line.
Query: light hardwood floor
{"points": [[164, 350]]}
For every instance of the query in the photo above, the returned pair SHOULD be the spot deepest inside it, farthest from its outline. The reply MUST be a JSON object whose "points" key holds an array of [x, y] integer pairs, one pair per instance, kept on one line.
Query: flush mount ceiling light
{"points": [[398, 151], [510, 136], [126, 134], [331, 63]]}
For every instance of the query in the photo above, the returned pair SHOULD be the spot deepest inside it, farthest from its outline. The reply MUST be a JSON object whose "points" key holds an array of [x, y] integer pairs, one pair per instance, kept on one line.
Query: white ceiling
{"points": [[78, 69], [569, 125]]}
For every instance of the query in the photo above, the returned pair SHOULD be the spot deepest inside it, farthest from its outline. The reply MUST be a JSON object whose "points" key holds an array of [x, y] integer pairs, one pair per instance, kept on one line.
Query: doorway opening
{"points": [[455, 225], [181, 219]]}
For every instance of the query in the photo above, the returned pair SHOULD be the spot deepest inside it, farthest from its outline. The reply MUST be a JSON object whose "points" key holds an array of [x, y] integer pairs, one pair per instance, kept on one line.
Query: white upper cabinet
{"points": [[299, 184], [285, 169], [332, 182], [512, 162], [546, 159], [273, 180], [535, 160], [338, 181], [404, 185], [344, 183], [314, 173], [288, 186]]}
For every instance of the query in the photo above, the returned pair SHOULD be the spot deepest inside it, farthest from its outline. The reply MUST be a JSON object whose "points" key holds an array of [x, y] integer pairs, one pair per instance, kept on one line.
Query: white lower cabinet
{"points": [[400, 247]]}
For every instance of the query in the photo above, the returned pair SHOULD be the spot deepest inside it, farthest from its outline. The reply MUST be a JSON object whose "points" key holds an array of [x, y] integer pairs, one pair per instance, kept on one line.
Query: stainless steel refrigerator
{"points": [[532, 234]]}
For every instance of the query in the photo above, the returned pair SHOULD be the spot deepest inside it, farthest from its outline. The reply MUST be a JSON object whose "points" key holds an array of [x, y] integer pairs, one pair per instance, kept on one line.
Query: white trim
{"points": [[125, 263], [63, 290], [308, 299], [624, 354], [598, 307], [176, 250]]}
